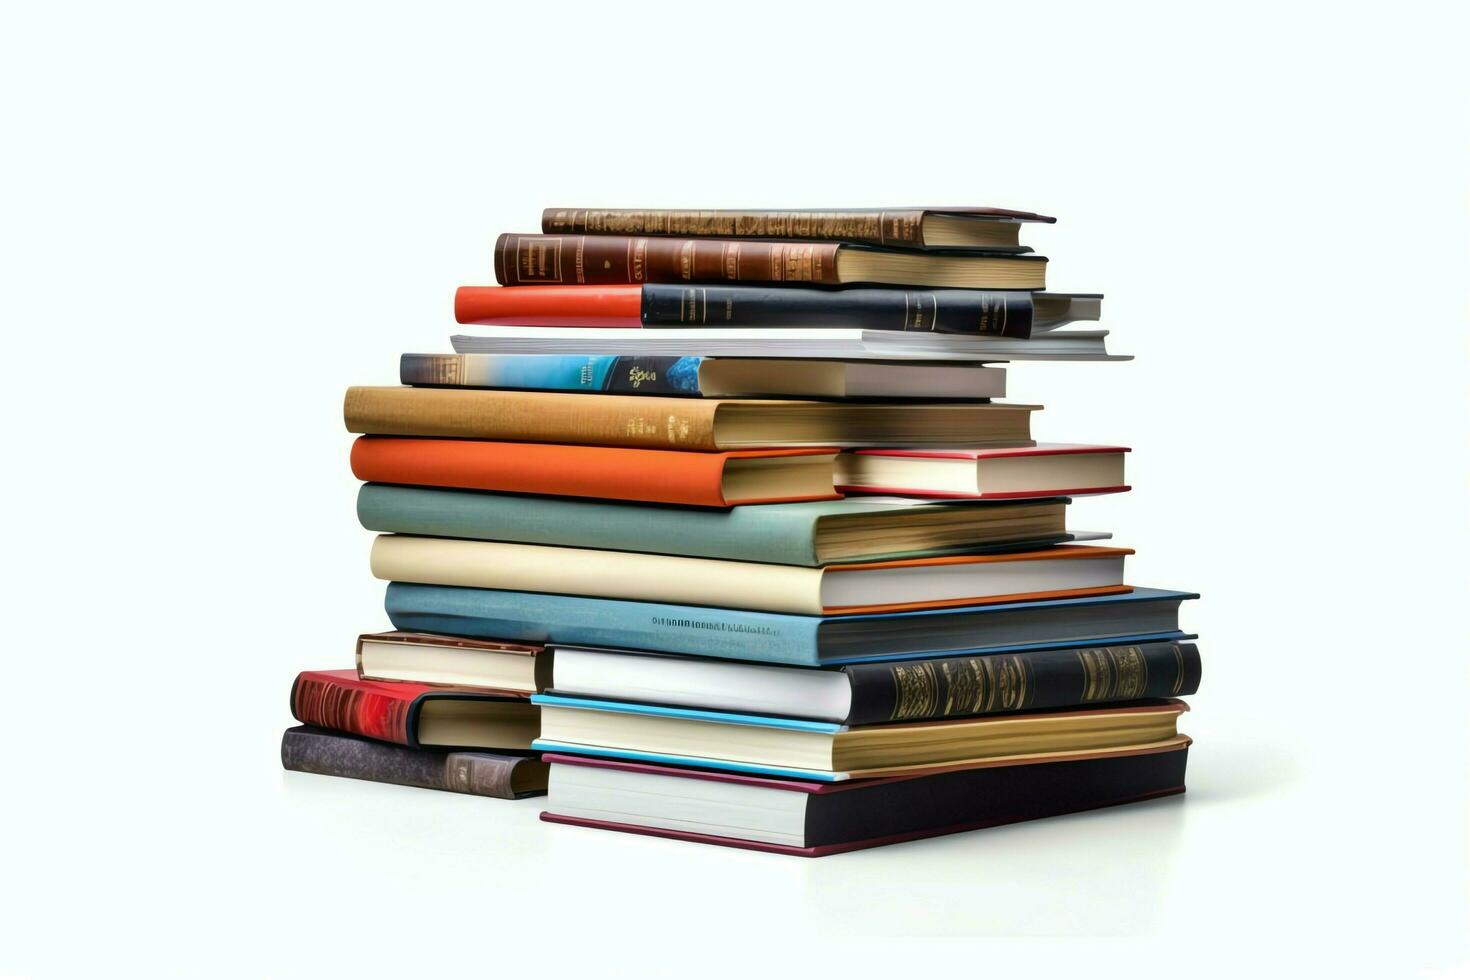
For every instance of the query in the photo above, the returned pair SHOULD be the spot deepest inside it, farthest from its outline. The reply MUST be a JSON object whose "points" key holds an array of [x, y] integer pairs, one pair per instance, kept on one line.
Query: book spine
{"points": [[672, 423], [328, 754], [340, 707], [672, 376], [971, 312], [549, 306], [575, 471], [948, 687], [527, 260], [900, 228], [578, 621], [758, 533]]}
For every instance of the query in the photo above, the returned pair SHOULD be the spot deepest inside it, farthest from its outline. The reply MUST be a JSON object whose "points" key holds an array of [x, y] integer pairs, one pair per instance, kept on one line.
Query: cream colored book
{"points": [[872, 587]]}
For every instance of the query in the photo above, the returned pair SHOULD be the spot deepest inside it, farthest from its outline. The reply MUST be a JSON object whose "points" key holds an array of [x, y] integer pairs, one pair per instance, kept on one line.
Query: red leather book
{"points": [[415, 715], [550, 306]]}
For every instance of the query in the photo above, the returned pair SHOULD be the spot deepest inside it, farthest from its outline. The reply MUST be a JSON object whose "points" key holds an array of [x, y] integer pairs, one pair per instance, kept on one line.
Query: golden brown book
{"points": [[679, 423]]}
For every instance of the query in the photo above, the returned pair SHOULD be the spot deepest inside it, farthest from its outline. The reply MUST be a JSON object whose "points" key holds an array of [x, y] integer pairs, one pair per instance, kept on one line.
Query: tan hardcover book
{"points": [[915, 583], [453, 661], [679, 423]]}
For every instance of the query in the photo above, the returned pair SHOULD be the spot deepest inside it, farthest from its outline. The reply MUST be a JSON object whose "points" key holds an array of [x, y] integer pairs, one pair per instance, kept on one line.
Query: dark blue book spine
{"points": [[973, 312]]}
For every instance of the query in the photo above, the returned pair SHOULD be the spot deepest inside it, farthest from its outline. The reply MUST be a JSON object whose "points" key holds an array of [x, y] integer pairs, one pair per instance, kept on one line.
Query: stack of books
{"points": [[718, 512]]}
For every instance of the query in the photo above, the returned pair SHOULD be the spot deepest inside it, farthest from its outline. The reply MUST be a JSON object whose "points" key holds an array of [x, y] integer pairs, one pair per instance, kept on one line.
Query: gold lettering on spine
{"points": [[972, 686], [917, 686], [1113, 673]]}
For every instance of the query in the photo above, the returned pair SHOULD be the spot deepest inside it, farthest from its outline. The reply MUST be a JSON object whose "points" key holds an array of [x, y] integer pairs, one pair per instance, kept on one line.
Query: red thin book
{"points": [[1003, 473], [550, 306], [415, 715]]}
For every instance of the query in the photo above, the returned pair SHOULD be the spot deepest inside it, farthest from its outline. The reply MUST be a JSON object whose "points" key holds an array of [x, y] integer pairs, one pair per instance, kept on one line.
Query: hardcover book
{"points": [[762, 637], [914, 583], [1042, 470], [859, 529], [415, 715], [505, 777], [893, 691], [826, 343], [809, 818], [657, 306], [678, 423], [704, 377], [661, 476], [528, 260], [453, 661], [798, 749], [943, 227]]}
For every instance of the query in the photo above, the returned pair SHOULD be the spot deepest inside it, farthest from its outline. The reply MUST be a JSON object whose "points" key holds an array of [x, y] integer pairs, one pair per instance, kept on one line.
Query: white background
{"points": [[216, 219]]}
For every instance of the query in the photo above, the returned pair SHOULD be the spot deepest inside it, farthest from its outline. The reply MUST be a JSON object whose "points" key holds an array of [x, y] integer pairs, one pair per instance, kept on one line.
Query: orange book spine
{"points": [[647, 475]]}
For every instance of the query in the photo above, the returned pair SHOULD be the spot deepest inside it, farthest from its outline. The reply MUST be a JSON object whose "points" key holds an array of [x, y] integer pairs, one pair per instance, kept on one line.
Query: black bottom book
{"points": [[812, 819], [327, 753]]}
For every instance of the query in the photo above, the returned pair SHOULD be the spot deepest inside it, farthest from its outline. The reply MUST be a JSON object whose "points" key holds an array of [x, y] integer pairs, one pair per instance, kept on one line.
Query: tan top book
{"points": [[679, 423], [871, 587]]}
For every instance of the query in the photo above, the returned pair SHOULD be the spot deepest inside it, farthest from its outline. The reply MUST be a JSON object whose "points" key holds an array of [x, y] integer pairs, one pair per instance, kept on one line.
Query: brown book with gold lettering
{"points": [[934, 227], [530, 260], [703, 424]]}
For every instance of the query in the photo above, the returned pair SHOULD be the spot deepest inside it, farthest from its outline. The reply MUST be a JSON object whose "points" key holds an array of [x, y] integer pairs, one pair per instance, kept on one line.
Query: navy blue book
{"points": [[738, 634]]}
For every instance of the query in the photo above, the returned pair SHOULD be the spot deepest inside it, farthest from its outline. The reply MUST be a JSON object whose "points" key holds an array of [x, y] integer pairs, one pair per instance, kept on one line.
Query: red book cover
{"points": [[384, 710], [550, 306]]}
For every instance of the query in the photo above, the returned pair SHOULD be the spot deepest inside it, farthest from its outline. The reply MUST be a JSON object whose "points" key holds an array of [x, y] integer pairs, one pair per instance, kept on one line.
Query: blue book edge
{"points": [[689, 714], [686, 761]]}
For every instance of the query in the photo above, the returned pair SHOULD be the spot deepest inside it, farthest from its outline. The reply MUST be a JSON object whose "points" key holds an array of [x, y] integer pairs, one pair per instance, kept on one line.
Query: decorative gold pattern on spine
{"points": [[873, 227], [1113, 673], [918, 691], [972, 686]]}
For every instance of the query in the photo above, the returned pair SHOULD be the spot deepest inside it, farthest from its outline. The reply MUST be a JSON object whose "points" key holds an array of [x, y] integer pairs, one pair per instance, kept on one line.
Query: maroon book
{"points": [[748, 811], [415, 715]]}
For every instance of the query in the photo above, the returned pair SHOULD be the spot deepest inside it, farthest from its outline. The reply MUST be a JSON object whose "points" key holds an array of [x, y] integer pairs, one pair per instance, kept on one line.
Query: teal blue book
{"points": [[810, 533], [738, 634]]}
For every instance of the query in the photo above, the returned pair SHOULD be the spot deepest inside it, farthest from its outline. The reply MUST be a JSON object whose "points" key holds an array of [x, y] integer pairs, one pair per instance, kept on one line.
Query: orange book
{"points": [[650, 475]]}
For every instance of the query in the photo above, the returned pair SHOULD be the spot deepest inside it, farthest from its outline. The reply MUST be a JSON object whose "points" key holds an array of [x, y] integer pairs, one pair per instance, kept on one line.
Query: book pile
{"points": [[715, 512]]}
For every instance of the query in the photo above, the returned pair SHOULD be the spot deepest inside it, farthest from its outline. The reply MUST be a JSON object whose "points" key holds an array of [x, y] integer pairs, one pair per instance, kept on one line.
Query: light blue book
{"points": [[737, 634], [780, 534]]}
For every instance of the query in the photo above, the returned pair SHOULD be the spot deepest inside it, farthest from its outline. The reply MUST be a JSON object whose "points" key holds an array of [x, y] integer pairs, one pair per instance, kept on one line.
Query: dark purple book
{"points": [[754, 812]]}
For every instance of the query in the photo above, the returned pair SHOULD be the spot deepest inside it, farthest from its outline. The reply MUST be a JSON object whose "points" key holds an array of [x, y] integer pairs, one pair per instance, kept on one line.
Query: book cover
{"points": [[779, 533], [327, 753], [564, 260], [663, 306], [1012, 577], [619, 374], [385, 710], [857, 814], [697, 424], [889, 227], [762, 637], [659, 476]]}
